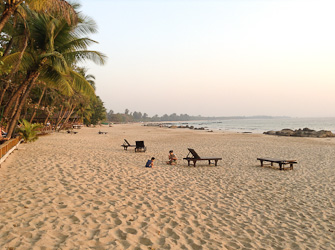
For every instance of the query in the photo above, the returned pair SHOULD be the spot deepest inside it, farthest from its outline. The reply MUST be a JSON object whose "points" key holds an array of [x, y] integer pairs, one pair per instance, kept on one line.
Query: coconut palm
{"points": [[58, 7], [54, 47]]}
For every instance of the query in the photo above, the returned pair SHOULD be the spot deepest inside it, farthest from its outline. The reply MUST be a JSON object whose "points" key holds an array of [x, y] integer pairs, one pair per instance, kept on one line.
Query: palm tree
{"points": [[55, 47], [60, 7]]}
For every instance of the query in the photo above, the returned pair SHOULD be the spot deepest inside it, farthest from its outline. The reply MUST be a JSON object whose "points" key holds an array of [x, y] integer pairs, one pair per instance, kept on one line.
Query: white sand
{"points": [[85, 192]]}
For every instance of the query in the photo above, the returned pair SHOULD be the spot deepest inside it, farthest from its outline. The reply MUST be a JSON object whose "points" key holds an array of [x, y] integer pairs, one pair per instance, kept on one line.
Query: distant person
{"points": [[150, 163], [3, 134], [172, 158]]}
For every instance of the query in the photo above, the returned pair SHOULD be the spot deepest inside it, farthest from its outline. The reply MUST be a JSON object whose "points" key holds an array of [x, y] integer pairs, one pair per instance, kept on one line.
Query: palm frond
{"points": [[59, 8], [57, 80], [28, 61], [82, 56], [57, 61], [81, 85]]}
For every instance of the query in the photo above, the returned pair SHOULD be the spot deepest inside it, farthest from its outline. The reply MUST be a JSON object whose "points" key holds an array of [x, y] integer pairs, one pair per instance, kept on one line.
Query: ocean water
{"points": [[266, 124]]}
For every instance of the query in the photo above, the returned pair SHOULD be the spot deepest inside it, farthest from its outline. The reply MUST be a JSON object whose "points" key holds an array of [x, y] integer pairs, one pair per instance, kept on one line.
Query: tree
{"points": [[55, 47], [58, 7], [98, 111]]}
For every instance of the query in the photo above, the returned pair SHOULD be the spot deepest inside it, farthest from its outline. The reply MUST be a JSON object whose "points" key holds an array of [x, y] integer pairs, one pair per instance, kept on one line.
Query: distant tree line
{"points": [[135, 116]]}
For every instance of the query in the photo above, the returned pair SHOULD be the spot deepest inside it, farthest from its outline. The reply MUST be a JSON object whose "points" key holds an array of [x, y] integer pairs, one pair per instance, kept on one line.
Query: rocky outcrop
{"points": [[306, 132]]}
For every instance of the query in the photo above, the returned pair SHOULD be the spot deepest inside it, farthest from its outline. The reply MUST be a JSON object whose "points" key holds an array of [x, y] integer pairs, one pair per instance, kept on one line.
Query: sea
{"points": [[260, 125]]}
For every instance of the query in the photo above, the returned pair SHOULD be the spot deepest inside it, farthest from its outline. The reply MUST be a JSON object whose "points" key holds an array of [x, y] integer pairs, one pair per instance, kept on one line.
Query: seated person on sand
{"points": [[3, 134], [172, 158], [150, 163]]}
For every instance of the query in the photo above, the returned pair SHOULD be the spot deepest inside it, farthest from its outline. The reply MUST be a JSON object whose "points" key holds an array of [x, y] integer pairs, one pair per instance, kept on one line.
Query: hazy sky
{"points": [[216, 58]]}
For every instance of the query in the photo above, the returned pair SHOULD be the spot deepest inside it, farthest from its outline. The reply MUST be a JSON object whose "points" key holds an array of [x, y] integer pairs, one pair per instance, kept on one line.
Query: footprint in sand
{"points": [[145, 241], [131, 230]]}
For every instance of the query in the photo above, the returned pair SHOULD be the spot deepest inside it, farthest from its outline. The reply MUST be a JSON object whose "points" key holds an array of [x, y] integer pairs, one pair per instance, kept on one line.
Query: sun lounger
{"points": [[281, 162], [140, 146], [71, 132], [126, 144], [100, 132], [196, 158]]}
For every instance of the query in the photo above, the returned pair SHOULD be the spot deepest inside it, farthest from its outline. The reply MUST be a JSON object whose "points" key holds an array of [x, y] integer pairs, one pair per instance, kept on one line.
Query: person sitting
{"points": [[172, 158], [3, 134], [150, 163]]}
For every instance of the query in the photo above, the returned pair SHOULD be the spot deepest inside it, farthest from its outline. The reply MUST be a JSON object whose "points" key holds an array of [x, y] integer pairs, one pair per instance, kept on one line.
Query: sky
{"points": [[216, 58]]}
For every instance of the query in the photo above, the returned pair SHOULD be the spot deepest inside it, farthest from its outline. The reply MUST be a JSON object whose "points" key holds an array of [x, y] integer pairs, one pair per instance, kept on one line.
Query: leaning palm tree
{"points": [[60, 7], [55, 47]]}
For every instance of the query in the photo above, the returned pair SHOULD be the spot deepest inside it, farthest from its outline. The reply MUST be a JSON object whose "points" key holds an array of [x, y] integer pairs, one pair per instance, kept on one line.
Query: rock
{"points": [[324, 134], [306, 132], [285, 132]]}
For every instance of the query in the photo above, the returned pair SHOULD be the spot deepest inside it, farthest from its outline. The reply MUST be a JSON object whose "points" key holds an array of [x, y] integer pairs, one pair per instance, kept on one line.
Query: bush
{"points": [[29, 131]]}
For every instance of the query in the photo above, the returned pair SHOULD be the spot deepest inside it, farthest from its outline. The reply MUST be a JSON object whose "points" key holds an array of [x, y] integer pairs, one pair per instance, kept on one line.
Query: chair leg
{"points": [[216, 162], [194, 162]]}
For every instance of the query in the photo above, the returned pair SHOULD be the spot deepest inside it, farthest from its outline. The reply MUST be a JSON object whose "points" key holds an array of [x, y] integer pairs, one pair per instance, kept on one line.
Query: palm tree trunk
{"points": [[10, 44], [5, 17], [59, 115], [3, 92], [61, 118], [46, 119], [19, 109], [68, 117], [16, 68], [32, 76], [8, 48], [13, 113], [38, 104], [13, 98], [10, 117]]}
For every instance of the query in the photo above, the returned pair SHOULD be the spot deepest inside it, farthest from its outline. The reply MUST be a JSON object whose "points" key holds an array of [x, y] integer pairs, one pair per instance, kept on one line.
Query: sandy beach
{"points": [[84, 191]]}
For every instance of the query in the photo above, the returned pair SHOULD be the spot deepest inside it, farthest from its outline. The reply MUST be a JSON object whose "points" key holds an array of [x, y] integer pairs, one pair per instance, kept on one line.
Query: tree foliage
{"points": [[41, 45]]}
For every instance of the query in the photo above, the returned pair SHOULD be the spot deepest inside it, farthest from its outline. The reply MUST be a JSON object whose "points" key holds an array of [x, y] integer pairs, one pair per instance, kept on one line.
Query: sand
{"points": [[84, 191]]}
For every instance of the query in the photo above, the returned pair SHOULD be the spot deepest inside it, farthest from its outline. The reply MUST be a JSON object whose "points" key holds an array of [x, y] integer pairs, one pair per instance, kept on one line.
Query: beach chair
{"points": [[100, 132], [126, 144], [140, 146], [281, 162], [71, 132], [196, 158]]}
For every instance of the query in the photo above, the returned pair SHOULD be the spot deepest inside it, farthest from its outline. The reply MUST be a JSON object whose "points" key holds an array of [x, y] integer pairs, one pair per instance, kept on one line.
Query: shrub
{"points": [[29, 131]]}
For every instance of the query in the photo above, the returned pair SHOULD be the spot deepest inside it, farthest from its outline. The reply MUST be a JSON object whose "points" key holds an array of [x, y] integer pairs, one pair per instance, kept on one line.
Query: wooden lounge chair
{"points": [[281, 162], [196, 158], [126, 144], [140, 146], [100, 132], [71, 132]]}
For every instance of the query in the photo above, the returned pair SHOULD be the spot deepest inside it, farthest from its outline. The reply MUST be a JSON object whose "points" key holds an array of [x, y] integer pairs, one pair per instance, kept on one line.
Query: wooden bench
{"points": [[281, 162], [196, 158], [126, 144], [71, 132]]}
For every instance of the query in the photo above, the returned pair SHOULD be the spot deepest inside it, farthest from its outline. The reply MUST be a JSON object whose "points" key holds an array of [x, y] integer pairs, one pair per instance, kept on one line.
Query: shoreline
{"points": [[66, 190], [259, 126]]}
